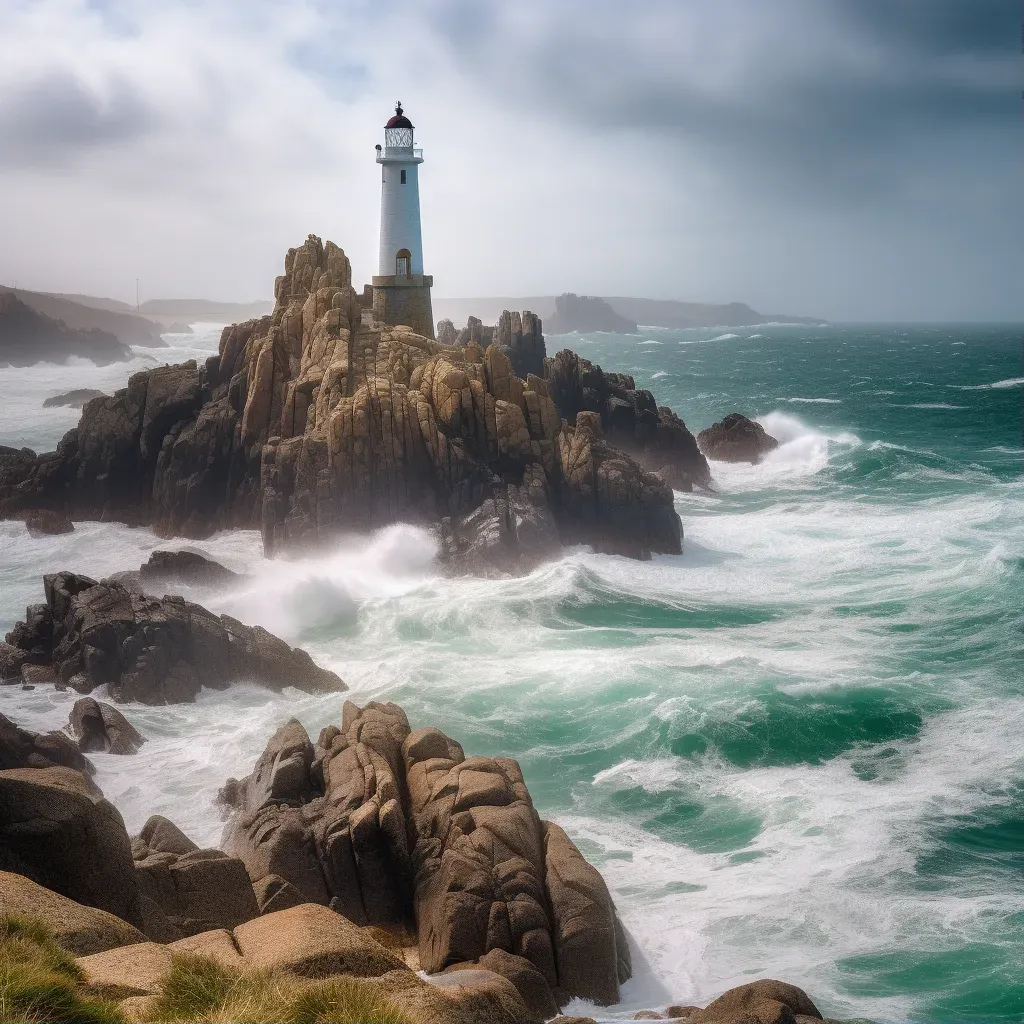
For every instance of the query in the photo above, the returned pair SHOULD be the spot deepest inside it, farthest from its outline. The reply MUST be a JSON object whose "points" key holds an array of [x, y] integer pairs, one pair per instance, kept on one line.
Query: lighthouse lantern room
{"points": [[401, 291]]}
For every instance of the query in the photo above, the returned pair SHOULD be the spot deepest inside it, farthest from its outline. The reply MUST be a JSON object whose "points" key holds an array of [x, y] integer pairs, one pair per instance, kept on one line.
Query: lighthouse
{"points": [[401, 291]]}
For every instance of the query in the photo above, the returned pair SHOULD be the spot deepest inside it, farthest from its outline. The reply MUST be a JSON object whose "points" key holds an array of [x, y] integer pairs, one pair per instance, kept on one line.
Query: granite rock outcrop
{"points": [[316, 421], [153, 650], [391, 826]]}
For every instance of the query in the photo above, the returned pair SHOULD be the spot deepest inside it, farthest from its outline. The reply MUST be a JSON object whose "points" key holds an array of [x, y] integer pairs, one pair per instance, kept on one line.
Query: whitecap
{"points": [[999, 385], [659, 375], [931, 405], [724, 337], [813, 401]]}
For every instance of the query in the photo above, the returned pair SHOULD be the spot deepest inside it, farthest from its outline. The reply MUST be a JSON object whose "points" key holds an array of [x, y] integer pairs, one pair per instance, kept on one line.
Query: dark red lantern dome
{"points": [[399, 120]]}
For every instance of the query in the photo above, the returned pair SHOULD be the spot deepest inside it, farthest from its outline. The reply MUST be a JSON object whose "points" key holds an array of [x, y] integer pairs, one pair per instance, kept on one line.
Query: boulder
{"points": [[529, 982], [20, 748], [173, 568], [155, 651], [678, 1011], [760, 1002], [197, 890], [43, 521], [80, 929], [57, 830], [313, 942], [736, 439], [96, 726], [11, 660], [136, 970]]}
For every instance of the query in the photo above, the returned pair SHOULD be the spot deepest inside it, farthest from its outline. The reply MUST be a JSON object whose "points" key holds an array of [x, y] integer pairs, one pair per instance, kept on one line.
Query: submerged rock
{"points": [[155, 651], [736, 439], [395, 827]]}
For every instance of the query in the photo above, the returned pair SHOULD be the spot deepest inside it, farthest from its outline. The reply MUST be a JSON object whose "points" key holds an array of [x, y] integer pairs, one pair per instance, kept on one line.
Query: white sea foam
{"points": [[660, 374], [999, 385], [724, 337], [814, 401]]}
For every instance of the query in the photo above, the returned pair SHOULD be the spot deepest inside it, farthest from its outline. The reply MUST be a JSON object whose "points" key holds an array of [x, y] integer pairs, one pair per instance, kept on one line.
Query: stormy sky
{"points": [[851, 159]]}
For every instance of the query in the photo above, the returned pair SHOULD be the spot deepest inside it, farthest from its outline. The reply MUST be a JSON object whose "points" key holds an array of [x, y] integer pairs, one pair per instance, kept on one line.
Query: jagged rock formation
{"points": [[390, 826], [316, 421], [57, 829], [156, 651], [28, 337], [583, 313], [651, 434], [95, 726], [736, 439]]}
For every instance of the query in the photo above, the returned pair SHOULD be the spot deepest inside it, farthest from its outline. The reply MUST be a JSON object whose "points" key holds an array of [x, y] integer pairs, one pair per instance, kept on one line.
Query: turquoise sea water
{"points": [[794, 751]]}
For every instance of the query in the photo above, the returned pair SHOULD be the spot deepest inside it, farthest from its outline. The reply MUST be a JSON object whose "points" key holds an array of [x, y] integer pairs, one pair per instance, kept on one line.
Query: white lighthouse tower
{"points": [[401, 291]]}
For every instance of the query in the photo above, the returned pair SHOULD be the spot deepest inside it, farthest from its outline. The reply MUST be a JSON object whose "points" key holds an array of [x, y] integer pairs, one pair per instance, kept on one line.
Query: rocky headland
{"points": [[582, 313], [28, 337], [317, 421]]}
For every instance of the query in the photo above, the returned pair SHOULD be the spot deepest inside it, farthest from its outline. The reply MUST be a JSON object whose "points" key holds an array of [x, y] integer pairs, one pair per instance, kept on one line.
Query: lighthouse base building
{"points": [[404, 300], [401, 291]]}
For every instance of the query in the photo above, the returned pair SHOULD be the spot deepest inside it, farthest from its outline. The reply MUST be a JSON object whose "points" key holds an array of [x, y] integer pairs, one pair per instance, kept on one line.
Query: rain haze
{"points": [[854, 160]]}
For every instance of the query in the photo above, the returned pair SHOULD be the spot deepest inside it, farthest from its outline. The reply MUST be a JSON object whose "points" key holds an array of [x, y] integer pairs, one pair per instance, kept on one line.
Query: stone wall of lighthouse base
{"points": [[404, 300]]}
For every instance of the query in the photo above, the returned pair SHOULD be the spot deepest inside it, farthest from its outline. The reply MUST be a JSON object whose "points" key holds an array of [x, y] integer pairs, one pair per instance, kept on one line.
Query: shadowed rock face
{"points": [[96, 726], [736, 439], [28, 337], [156, 651], [390, 826], [311, 423]]}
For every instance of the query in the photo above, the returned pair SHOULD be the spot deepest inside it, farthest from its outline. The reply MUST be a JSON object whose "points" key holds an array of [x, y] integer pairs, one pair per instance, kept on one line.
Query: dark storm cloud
{"points": [[49, 120], [843, 92]]}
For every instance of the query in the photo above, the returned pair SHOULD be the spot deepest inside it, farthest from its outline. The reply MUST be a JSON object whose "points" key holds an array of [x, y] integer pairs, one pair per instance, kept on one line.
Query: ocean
{"points": [[794, 751]]}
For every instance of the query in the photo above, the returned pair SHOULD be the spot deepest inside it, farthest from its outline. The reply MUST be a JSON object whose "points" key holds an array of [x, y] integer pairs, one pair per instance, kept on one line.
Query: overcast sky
{"points": [[852, 159]]}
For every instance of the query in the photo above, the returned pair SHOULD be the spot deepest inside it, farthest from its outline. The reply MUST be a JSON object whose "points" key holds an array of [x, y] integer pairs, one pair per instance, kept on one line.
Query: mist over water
{"points": [[793, 751]]}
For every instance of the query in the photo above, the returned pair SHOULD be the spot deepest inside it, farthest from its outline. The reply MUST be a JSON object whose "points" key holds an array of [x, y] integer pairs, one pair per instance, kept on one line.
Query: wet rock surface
{"points": [[95, 726], [155, 651], [736, 439]]}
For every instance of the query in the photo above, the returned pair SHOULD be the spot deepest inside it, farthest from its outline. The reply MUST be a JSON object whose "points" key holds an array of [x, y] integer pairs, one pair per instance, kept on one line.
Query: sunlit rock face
{"points": [[319, 421]]}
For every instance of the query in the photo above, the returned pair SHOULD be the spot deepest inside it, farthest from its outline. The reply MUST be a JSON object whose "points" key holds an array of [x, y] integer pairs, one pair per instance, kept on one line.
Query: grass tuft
{"points": [[201, 990], [39, 980]]}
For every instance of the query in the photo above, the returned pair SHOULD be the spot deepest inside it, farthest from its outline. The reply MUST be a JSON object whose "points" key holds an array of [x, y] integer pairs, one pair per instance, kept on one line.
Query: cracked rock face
{"points": [[155, 651], [392, 827], [311, 423]]}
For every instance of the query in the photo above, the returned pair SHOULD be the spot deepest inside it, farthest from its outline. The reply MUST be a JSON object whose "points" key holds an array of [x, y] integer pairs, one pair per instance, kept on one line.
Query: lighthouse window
{"points": [[402, 261], [403, 177]]}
